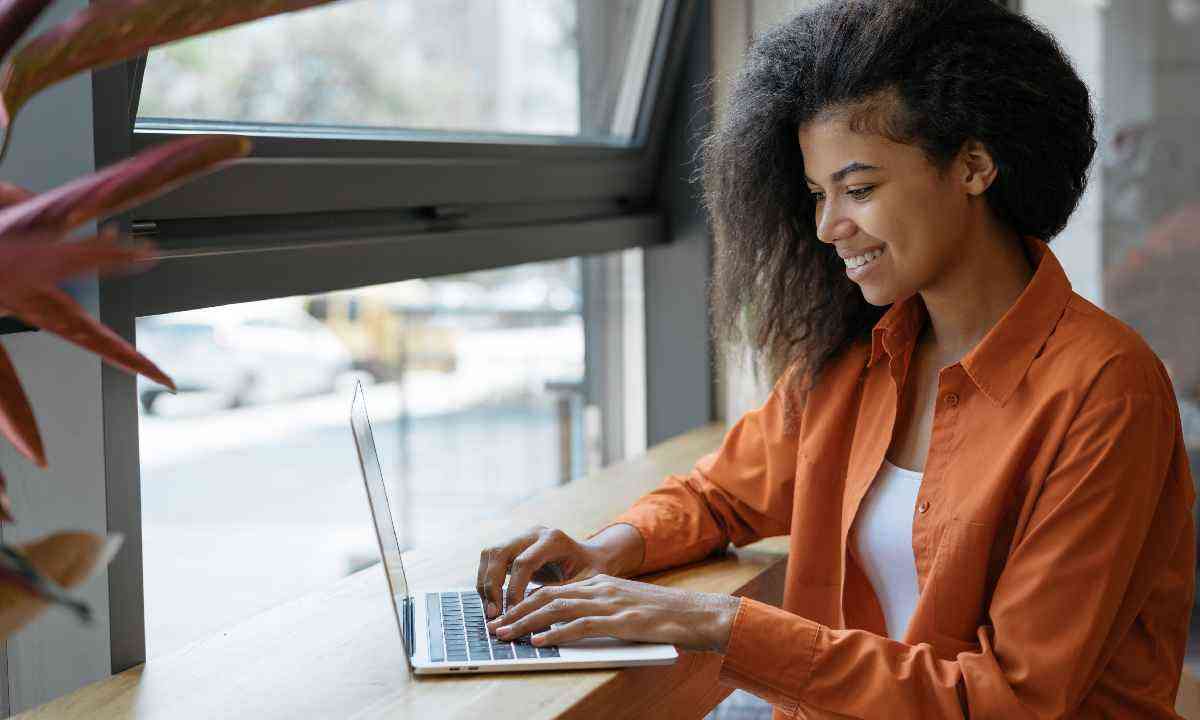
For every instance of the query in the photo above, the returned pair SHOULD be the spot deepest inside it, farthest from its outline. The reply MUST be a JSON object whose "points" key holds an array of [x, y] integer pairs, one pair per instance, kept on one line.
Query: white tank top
{"points": [[883, 543]]}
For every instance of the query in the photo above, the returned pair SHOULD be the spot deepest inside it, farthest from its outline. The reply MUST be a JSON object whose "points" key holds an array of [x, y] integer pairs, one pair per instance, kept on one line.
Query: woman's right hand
{"points": [[551, 557]]}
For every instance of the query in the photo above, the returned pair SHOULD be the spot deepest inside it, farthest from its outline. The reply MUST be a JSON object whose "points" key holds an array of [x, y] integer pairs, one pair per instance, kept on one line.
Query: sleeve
{"points": [[742, 492], [1103, 527]]}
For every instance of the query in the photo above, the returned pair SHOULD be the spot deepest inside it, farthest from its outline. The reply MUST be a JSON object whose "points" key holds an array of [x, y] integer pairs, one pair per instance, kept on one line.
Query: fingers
{"points": [[582, 590], [493, 566], [558, 610], [550, 545], [527, 606], [481, 577], [584, 627], [520, 570]]}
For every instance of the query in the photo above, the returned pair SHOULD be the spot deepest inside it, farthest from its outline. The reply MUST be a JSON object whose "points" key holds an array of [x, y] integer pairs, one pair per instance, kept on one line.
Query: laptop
{"points": [[444, 629]]}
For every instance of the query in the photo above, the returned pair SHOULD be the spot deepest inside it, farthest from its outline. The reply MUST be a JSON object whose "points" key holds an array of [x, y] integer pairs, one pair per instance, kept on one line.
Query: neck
{"points": [[974, 292]]}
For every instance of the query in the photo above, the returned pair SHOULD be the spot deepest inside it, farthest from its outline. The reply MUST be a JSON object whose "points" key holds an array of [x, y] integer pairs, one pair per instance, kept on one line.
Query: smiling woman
{"points": [[982, 474]]}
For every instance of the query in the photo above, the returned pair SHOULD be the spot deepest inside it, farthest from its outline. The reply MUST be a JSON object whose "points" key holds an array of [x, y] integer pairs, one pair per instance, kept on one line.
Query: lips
{"points": [[858, 271], [856, 253]]}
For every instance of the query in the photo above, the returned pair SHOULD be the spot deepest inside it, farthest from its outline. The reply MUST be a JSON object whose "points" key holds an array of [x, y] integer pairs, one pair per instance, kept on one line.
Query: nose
{"points": [[833, 224]]}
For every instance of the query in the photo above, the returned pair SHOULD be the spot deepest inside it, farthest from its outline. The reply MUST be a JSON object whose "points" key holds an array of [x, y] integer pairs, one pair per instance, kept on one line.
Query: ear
{"points": [[977, 169]]}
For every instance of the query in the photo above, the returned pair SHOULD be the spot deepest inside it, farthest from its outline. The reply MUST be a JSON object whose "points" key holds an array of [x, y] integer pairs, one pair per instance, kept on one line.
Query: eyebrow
{"points": [[840, 175]]}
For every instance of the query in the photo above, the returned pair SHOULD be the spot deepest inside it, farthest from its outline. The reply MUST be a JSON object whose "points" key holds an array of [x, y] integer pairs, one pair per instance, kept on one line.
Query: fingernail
{"points": [[537, 639], [491, 609], [504, 631]]}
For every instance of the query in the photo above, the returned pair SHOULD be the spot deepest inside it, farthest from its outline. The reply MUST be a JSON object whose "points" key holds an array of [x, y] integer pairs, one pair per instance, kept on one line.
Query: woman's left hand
{"points": [[605, 606]]}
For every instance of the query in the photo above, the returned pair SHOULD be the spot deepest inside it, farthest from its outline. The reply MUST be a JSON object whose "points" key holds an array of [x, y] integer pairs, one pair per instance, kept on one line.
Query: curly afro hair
{"points": [[928, 73]]}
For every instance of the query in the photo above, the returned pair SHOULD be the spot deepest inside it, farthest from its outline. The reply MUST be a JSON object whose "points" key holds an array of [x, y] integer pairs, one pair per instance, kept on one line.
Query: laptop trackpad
{"points": [[607, 648], [596, 642]]}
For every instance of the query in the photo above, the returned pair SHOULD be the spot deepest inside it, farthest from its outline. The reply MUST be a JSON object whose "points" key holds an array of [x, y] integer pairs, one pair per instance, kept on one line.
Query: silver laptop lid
{"points": [[381, 514]]}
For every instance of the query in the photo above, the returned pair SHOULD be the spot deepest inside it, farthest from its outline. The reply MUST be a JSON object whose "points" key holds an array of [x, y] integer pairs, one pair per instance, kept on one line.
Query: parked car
{"points": [[249, 353]]}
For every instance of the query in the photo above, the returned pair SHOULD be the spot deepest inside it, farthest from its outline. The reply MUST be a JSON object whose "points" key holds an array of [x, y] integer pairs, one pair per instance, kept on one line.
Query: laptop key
{"points": [[525, 651], [548, 652], [433, 627], [502, 653]]}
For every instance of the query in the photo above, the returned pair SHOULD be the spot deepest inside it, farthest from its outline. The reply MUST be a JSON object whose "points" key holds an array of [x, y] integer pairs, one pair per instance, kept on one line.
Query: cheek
{"points": [[889, 223], [913, 239]]}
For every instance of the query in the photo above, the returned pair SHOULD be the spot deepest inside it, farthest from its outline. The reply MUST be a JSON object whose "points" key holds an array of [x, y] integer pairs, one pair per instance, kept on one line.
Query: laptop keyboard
{"points": [[458, 632]]}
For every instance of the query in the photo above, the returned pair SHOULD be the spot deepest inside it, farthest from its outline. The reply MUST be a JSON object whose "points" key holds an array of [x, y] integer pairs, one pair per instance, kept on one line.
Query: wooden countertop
{"points": [[337, 653]]}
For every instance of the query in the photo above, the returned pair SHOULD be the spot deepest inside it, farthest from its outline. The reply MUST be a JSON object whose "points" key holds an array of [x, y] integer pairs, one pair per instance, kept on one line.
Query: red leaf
{"points": [[67, 558], [109, 31], [15, 18], [16, 416], [53, 310], [6, 511], [11, 194], [26, 263], [122, 185]]}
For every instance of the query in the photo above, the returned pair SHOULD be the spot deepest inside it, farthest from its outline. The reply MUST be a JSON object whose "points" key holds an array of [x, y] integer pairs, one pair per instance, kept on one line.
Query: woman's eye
{"points": [[860, 193]]}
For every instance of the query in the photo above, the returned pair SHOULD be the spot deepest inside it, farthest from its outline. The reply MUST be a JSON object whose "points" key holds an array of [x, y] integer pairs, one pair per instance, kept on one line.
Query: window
{"points": [[251, 493], [1132, 243], [560, 69], [332, 207]]}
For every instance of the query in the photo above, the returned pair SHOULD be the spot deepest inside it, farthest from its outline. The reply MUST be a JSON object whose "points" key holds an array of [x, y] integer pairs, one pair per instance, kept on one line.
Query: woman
{"points": [[982, 474]]}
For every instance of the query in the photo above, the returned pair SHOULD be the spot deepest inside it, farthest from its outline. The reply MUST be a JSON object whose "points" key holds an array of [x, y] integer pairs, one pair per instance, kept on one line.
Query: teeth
{"points": [[861, 260]]}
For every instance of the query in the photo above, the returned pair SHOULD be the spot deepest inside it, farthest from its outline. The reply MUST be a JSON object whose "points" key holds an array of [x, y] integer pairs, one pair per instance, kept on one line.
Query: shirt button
{"points": [[951, 399], [923, 507]]}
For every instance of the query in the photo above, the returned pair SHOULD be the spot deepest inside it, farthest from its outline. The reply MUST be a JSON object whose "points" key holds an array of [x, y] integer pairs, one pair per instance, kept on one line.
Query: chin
{"points": [[878, 296]]}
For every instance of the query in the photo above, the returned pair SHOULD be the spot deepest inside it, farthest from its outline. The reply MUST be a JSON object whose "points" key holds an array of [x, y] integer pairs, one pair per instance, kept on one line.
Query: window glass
{"points": [[251, 492], [1132, 247], [557, 68]]}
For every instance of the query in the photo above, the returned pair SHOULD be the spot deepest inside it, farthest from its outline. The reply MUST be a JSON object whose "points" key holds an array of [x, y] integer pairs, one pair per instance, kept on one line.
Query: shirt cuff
{"points": [[770, 653], [658, 551]]}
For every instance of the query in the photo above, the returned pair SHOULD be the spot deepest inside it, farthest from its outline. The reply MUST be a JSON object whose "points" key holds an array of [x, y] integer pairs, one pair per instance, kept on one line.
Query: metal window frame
{"points": [[402, 210], [349, 169]]}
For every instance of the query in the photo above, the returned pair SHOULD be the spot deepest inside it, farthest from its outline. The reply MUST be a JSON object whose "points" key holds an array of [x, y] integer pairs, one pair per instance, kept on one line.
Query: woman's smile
{"points": [[860, 266]]}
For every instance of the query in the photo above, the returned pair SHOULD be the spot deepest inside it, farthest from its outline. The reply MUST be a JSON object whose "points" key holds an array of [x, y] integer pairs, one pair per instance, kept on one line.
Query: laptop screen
{"points": [[381, 513]]}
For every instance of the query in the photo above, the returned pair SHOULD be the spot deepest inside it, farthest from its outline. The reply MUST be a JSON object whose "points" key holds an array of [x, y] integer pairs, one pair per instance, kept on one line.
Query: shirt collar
{"points": [[998, 363]]}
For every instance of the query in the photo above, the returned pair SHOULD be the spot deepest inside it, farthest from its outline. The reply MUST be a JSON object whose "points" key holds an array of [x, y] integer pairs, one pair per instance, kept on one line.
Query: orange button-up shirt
{"points": [[1052, 535]]}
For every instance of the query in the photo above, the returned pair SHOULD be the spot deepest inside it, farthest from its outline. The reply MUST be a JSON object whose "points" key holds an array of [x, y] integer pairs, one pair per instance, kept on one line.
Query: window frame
{"points": [[555, 201], [289, 171]]}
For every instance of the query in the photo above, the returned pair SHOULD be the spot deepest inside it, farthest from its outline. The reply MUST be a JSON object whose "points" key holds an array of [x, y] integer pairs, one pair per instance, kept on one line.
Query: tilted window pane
{"points": [[564, 69]]}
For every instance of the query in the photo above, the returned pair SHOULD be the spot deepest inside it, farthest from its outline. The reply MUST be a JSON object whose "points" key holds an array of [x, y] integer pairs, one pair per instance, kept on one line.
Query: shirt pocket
{"points": [[960, 583]]}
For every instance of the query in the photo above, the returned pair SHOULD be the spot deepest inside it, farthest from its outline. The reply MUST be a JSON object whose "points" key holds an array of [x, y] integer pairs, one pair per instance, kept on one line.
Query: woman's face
{"points": [[878, 197]]}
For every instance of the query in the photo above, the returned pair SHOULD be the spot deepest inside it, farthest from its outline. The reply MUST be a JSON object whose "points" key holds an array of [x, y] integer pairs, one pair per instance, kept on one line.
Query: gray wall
{"points": [[52, 144], [679, 377]]}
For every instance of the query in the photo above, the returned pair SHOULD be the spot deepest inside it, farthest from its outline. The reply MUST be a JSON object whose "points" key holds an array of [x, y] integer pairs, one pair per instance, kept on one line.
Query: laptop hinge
{"points": [[409, 638]]}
